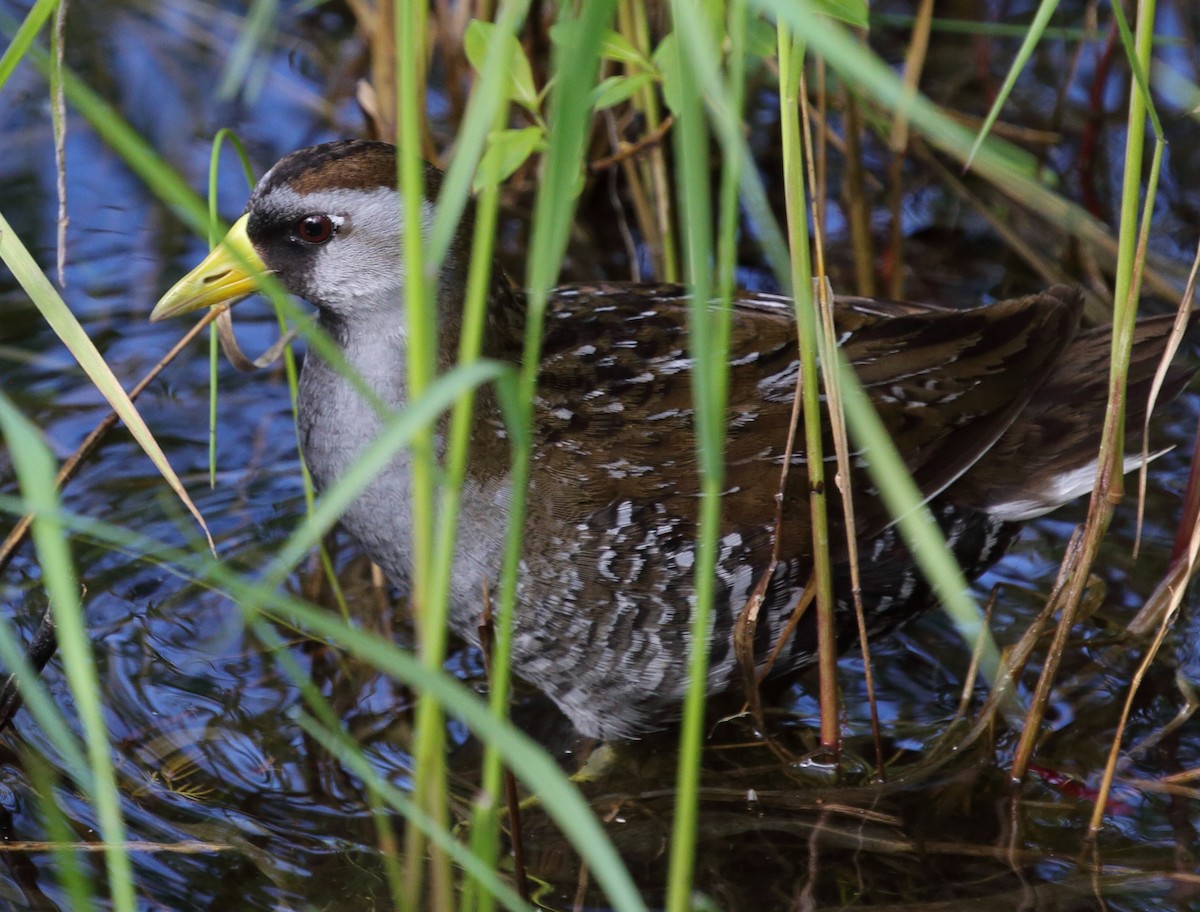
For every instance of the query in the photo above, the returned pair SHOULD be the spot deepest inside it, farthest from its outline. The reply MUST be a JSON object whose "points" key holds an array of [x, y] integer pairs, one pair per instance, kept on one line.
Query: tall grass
{"points": [[701, 78], [35, 473]]}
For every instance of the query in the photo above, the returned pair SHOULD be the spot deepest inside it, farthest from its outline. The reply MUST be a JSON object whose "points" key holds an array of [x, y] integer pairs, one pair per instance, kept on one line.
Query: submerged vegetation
{"points": [[268, 730]]}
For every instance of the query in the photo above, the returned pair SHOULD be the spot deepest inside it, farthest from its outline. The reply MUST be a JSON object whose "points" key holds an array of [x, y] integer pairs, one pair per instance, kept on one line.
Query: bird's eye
{"points": [[315, 229]]}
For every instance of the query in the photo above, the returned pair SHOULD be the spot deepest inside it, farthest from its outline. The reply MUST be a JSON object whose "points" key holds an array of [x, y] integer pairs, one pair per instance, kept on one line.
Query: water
{"points": [[209, 757]]}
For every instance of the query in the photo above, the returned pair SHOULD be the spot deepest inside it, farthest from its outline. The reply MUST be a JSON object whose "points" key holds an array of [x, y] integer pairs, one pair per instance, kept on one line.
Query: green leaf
{"points": [[478, 35], [665, 63], [562, 34], [762, 39], [616, 89], [852, 12], [619, 48], [521, 88], [507, 151]]}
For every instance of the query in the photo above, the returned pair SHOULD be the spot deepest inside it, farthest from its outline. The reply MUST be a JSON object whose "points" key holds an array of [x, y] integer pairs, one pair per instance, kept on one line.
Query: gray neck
{"points": [[337, 424], [377, 348], [336, 421]]}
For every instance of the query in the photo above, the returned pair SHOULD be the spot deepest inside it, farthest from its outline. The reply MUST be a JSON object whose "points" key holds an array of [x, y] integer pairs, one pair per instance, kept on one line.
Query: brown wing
{"points": [[615, 401], [947, 385], [1059, 432]]}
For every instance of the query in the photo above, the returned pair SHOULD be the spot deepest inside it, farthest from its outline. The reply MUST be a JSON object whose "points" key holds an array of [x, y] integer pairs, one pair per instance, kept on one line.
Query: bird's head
{"points": [[326, 221]]}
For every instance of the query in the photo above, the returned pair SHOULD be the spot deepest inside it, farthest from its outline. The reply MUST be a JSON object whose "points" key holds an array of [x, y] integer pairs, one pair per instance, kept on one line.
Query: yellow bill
{"points": [[228, 274]]}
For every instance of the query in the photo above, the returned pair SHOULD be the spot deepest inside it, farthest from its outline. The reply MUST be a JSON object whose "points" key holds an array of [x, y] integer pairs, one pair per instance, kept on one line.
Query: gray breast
{"points": [[337, 424]]}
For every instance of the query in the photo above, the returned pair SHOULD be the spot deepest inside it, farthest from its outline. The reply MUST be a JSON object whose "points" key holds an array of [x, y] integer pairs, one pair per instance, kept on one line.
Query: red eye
{"points": [[315, 229]]}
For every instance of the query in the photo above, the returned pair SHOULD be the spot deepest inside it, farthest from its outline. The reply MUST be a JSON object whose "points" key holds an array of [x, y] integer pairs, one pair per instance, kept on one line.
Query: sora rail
{"points": [[996, 411]]}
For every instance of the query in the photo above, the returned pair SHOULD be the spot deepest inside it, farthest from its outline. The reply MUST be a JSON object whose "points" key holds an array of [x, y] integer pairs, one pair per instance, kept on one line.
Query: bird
{"points": [[996, 410]]}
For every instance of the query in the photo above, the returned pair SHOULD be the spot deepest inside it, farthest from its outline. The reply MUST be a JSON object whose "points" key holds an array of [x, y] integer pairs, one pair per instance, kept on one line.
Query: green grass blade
{"points": [[25, 35], [215, 232], [258, 25], [1032, 36], [1138, 68], [709, 378], [35, 472]]}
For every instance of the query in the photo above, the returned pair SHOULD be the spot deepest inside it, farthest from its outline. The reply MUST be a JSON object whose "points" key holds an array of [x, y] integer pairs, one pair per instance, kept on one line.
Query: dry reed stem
{"points": [[1110, 766], [626, 150], [1182, 321], [837, 418], [858, 208], [977, 654]]}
